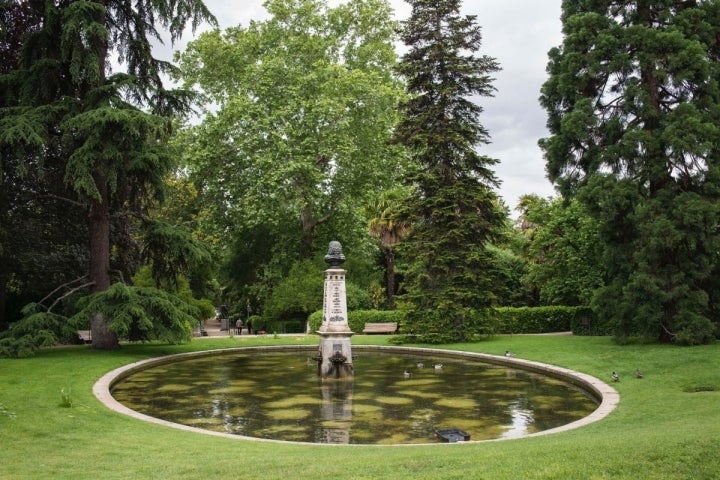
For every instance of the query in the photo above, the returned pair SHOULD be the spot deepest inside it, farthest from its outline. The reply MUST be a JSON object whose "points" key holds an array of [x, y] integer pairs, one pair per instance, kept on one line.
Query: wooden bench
{"points": [[85, 335], [389, 327]]}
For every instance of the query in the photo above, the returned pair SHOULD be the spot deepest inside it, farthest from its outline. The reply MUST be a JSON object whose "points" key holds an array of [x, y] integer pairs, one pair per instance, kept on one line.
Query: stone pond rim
{"points": [[604, 394]]}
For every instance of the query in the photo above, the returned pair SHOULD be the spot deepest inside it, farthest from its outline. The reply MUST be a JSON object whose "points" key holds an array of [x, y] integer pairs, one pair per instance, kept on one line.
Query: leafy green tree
{"points": [[181, 248], [508, 270], [297, 295], [455, 212], [294, 142], [305, 102], [534, 212], [632, 101], [108, 129], [563, 250]]}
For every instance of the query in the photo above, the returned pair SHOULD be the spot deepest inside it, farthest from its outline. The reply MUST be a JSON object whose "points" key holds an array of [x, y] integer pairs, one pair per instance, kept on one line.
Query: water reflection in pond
{"points": [[278, 395]]}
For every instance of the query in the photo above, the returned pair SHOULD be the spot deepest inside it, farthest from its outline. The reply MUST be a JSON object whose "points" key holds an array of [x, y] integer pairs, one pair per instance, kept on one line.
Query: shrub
{"points": [[256, 322], [141, 313], [357, 298], [579, 320], [315, 320], [36, 329], [296, 295]]}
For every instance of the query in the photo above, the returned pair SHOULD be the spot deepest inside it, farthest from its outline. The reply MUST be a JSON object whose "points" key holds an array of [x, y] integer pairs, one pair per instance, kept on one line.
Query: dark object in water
{"points": [[452, 435]]}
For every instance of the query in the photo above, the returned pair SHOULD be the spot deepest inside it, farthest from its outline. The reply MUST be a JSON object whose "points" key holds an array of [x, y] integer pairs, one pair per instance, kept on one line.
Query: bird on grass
{"points": [[615, 377], [421, 365], [508, 353], [407, 374], [437, 366], [638, 373]]}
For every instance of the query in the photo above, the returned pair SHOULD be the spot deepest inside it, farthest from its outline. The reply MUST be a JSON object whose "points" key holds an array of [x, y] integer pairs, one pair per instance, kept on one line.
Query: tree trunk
{"points": [[99, 221], [99, 226], [308, 223], [390, 277]]}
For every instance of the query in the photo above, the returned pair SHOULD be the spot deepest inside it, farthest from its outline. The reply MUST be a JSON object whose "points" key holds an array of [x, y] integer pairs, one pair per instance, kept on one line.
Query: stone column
{"points": [[335, 302], [335, 356]]}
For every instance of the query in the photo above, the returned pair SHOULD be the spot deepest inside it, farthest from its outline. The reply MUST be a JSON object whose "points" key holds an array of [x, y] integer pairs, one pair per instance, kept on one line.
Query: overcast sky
{"points": [[518, 33]]}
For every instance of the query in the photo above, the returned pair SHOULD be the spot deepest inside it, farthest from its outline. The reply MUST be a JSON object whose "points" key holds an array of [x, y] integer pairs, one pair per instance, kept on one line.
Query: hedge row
{"points": [[579, 320], [545, 319]]}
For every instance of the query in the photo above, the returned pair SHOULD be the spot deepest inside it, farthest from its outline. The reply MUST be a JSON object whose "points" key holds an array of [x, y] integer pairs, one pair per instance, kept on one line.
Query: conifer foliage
{"points": [[61, 98], [632, 101], [454, 212]]}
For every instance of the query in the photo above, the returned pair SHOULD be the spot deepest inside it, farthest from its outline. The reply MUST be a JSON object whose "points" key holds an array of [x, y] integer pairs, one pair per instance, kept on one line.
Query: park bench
{"points": [[85, 335], [389, 327]]}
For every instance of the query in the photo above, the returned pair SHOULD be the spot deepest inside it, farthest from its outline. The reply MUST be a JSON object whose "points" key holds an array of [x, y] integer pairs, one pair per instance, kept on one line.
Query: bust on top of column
{"points": [[334, 257]]}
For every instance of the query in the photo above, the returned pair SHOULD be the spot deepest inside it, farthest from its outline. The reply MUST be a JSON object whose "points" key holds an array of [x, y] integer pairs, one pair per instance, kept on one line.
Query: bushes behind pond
{"points": [[579, 320]]}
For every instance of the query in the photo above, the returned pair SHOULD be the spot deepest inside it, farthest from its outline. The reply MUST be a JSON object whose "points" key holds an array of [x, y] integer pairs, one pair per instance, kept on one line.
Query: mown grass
{"points": [[667, 425]]}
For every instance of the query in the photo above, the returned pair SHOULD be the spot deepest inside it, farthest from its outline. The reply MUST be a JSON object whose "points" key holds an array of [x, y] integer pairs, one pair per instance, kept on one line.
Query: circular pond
{"points": [[276, 394]]}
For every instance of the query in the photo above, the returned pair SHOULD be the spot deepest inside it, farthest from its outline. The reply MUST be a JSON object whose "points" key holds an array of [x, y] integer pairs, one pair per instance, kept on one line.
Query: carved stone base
{"points": [[335, 359]]}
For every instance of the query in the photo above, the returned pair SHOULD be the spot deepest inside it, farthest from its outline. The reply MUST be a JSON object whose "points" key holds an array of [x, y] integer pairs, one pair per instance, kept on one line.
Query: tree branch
{"points": [[65, 285], [79, 287], [130, 213], [120, 274], [63, 199]]}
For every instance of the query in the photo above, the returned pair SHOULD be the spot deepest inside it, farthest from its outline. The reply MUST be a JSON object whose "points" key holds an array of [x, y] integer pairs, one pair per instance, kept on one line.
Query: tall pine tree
{"points": [[62, 99], [454, 212], [633, 107]]}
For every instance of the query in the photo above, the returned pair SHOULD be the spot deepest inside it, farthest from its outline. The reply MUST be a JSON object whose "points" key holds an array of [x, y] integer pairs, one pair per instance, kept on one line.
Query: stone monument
{"points": [[335, 355]]}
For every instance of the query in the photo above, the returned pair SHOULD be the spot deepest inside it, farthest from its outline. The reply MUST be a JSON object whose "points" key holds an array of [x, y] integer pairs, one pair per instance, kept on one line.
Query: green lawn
{"points": [[667, 425]]}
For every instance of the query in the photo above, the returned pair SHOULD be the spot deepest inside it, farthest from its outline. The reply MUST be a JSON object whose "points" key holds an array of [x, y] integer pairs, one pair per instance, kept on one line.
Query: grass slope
{"points": [[667, 425]]}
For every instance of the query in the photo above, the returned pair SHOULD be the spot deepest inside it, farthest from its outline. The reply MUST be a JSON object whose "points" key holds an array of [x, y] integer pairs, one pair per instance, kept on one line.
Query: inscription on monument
{"points": [[337, 301]]}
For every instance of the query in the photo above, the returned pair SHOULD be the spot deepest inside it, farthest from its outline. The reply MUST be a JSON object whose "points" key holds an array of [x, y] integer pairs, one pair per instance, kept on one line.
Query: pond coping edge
{"points": [[606, 395]]}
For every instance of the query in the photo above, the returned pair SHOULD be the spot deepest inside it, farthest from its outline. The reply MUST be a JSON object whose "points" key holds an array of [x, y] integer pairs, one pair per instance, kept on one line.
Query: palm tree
{"points": [[386, 225]]}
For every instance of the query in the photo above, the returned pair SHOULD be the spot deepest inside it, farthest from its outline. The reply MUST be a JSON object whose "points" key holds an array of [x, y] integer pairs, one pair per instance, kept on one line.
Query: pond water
{"points": [[278, 395]]}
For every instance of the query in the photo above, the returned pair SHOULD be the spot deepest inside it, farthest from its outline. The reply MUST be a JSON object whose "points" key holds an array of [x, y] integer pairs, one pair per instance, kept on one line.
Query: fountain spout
{"points": [[339, 367], [338, 358]]}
